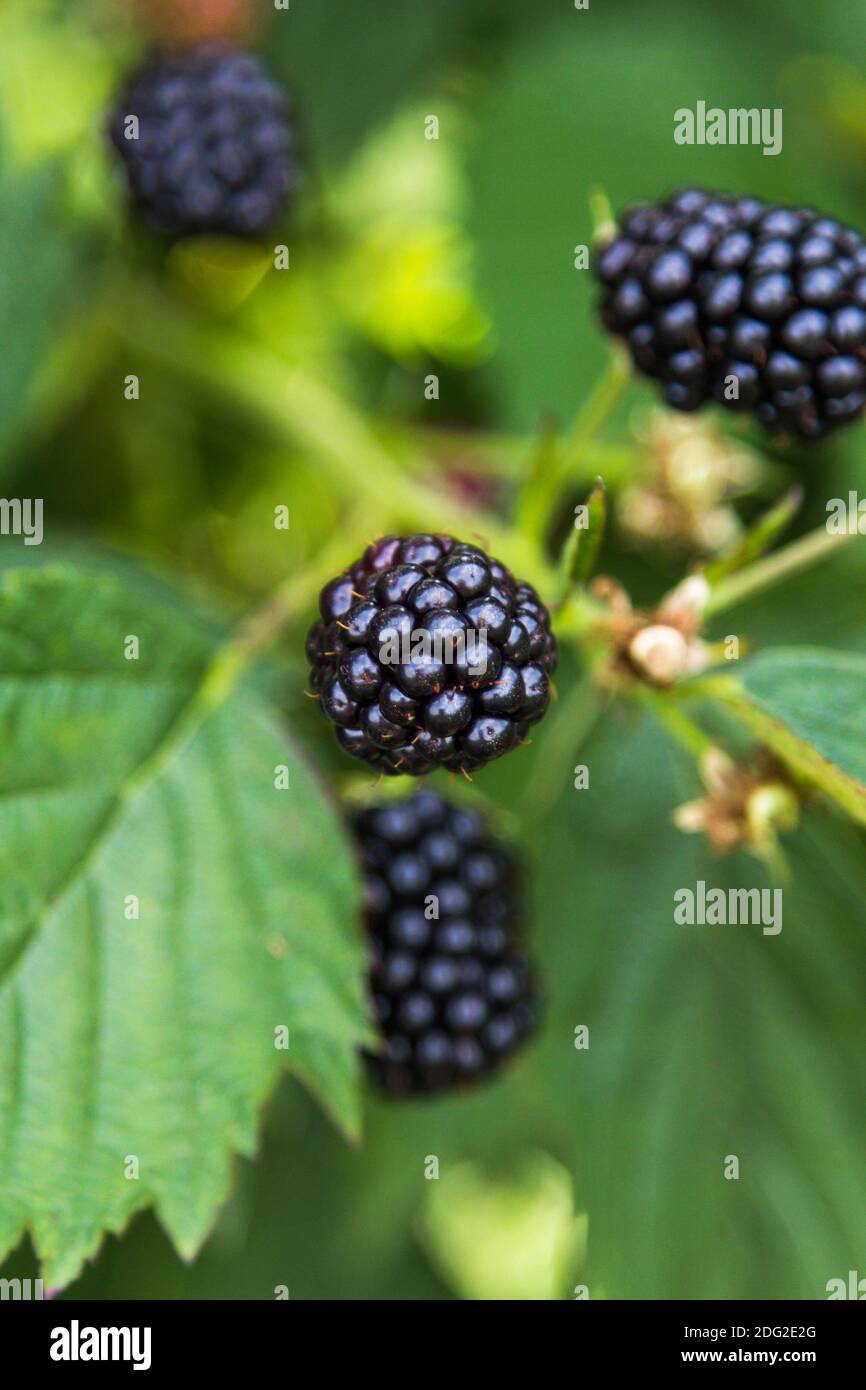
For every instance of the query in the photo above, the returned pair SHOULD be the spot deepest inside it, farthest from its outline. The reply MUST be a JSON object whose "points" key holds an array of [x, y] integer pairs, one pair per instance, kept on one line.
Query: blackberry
{"points": [[430, 654], [453, 995], [215, 147], [706, 287]]}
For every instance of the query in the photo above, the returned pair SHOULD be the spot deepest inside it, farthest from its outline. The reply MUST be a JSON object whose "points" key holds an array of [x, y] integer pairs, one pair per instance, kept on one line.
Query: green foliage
{"points": [[41, 266], [758, 538], [705, 1041], [326, 51], [588, 100], [153, 1037], [164, 909], [809, 706], [498, 1238], [582, 547]]}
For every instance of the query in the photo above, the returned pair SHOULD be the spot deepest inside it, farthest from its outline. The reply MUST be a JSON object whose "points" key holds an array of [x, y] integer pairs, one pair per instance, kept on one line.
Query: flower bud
{"points": [[660, 653]]}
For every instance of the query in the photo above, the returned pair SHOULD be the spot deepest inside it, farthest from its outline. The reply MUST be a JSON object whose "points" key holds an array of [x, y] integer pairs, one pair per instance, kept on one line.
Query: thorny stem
{"points": [[808, 550]]}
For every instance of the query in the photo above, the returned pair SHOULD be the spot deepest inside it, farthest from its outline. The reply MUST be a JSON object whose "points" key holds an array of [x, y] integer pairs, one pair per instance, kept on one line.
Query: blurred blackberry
{"points": [[450, 704], [215, 151], [452, 996], [704, 287]]}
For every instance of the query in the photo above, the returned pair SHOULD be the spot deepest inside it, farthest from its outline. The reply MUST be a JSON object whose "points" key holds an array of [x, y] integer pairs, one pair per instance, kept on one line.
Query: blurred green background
{"points": [[601, 1167]]}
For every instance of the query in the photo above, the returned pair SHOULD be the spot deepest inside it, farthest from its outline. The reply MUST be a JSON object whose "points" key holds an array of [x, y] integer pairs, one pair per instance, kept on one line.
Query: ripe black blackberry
{"points": [[705, 287], [453, 995], [216, 148], [448, 705]]}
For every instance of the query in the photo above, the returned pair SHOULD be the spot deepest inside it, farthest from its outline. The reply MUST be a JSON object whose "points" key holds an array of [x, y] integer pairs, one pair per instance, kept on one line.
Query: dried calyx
{"points": [[682, 498], [745, 806], [658, 647]]}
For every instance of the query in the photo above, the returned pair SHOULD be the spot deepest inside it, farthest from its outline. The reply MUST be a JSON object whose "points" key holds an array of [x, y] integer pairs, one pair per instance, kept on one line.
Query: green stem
{"points": [[596, 410], [679, 725], [578, 614], [535, 497], [800, 554], [301, 409], [570, 722], [567, 461], [264, 623]]}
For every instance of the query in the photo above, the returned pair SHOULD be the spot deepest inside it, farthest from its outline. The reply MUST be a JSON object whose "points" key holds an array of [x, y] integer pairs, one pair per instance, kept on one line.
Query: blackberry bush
{"points": [[428, 599], [216, 146], [453, 996], [705, 287]]}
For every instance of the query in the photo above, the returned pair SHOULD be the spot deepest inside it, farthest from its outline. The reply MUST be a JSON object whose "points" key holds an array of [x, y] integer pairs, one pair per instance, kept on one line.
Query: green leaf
{"points": [[136, 1050], [809, 706], [704, 1042], [581, 549]]}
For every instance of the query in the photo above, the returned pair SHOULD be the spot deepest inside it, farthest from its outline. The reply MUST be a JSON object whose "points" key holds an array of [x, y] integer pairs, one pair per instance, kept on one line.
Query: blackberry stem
{"points": [[791, 559], [564, 462], [300, 408], [570, 723], [264, 623], [598, 406], [682, 728]]}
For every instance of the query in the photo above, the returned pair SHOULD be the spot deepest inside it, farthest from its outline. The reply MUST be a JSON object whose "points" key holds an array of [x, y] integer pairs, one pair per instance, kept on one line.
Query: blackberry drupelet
{"points": [[430, 598], [216, 148], [706, 287], [453, 997]]}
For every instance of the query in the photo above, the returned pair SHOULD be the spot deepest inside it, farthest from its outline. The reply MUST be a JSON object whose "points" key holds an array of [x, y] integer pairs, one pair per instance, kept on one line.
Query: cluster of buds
{"points": [[682, 498], [745, 806], [659, 647]]}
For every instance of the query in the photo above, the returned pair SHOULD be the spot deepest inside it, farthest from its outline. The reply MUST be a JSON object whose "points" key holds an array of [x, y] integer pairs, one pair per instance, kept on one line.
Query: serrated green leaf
{"points": [[809, 706], [135, 1051], [704, 1041]]}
